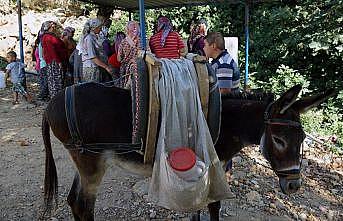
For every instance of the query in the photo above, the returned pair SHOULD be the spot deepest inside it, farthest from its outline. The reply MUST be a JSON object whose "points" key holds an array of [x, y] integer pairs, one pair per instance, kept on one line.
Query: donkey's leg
{"points": [[82, 196], [72, 196], [196, 216], [213, 209]]}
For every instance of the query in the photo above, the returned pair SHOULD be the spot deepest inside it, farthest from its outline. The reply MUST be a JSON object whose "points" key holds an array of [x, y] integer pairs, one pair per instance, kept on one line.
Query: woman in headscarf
{"points": [[196, 40], [166, 43], [67, 38], [128, 53], [113, 59], [92, 52], [54, 54]]}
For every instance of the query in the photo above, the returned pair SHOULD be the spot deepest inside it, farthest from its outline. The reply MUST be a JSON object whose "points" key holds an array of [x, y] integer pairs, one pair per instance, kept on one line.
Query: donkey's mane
{"points": [[252, 95]]}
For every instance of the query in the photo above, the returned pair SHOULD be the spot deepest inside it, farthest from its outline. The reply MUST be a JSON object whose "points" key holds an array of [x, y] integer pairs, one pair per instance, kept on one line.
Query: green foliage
{"points": [[284, 79], [118, 24], [3, 63], [307, 38]]}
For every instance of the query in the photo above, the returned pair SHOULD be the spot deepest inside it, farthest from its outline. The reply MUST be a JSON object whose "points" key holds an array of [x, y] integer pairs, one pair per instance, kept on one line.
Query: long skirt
{"points": [[91, 74], [55, 78], [43, 83]]}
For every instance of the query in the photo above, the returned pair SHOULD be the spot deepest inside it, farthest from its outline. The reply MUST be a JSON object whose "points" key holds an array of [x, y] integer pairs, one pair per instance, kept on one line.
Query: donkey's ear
{"points": [[288, 98], [304, 104]]}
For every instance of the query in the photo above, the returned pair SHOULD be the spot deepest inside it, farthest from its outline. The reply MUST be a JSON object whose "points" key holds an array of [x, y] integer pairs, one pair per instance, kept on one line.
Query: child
{"points": [[14, 69]]}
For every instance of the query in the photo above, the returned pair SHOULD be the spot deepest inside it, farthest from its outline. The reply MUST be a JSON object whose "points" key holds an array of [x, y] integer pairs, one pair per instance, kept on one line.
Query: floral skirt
{"points": [[90, 74], [55, 78]]}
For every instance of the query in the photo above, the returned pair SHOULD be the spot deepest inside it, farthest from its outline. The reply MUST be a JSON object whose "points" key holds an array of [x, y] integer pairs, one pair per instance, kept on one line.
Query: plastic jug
{"points": [[185, 164]]}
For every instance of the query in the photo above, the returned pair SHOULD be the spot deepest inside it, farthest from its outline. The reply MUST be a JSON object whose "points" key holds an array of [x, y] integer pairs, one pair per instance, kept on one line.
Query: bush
{"points": [[284, 79]]}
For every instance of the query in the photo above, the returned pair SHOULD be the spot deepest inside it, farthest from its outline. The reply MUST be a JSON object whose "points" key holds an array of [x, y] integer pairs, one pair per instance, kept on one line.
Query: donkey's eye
{"points": [[279, 143]]}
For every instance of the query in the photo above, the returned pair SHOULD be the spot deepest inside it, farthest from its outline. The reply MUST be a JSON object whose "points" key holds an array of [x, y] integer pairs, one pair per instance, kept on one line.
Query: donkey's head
{"points": [[282, 139]]}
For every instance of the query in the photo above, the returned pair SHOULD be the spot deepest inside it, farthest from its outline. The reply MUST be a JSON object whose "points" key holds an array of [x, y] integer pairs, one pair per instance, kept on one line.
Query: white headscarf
{"points": [[89, 27]]}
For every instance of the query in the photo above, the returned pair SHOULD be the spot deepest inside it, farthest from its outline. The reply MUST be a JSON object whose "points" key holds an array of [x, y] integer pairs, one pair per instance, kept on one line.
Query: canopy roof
{"points": [[130, 5]]}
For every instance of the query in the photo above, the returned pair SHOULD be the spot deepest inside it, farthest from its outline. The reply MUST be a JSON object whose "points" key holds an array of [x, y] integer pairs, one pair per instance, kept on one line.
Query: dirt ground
{"points": [[123, 196]]}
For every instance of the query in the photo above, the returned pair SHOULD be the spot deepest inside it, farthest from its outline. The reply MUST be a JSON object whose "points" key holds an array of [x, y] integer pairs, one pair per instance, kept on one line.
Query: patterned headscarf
{"points": [[198, 30], [46, 26], [69, 32], [164, 24], [202, 27], [89, 26], [132, 28], [119, 38]]}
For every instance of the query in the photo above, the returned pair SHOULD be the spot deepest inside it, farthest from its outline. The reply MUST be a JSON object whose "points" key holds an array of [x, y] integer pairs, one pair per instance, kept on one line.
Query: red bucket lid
{"points": [[182, 158]]}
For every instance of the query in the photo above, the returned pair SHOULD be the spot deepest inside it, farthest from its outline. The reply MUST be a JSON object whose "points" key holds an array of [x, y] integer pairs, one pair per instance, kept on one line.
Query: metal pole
{"points": [[20, 32], [246, 45], [142, 23], [130, 16]]}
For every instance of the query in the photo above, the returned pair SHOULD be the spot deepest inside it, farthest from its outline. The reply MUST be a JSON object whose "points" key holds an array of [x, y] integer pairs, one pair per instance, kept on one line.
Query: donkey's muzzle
{"points": [[289, 186]]}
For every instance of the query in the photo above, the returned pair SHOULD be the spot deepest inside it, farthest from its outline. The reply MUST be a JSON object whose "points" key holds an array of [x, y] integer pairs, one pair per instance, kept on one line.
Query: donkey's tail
{"points": [[50, 180]]}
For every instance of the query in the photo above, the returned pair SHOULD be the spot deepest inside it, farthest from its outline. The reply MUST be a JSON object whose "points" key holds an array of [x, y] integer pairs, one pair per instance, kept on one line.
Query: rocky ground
{"points": [[123, 196]]}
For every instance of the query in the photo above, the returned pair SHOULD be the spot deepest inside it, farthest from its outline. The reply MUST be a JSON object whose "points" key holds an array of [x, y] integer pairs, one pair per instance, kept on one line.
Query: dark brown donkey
{"points": [[105, 117]]}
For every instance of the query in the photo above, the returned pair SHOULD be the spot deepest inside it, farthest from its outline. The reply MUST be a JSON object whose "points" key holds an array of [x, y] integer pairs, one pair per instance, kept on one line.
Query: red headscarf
{"points": [[163, 23]]}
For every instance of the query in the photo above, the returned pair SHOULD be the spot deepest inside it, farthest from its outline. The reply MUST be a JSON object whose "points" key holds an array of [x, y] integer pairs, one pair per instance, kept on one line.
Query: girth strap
{"points": [[71, 115]]}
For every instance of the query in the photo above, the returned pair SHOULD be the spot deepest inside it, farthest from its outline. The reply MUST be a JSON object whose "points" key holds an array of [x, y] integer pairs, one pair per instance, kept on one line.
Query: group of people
{"points": [[61, 61]]}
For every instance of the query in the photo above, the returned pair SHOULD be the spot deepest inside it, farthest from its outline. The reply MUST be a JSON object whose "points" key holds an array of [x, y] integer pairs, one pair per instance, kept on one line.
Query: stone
{"points": [[141, 187], [152, 214], [303, 216], [330, 215], [272, 205], [253, 197], [237, 159]]}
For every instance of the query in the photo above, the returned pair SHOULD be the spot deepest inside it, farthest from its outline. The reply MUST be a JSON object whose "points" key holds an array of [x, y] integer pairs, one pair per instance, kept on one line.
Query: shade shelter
{"points": [[141, 5]]}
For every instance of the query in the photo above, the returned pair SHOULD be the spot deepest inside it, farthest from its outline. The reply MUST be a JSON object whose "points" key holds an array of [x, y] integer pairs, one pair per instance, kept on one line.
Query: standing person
{"points": [[67, 38], [43, 71], [13, 70], [223, 64], [166, 43], [225, 68], [91, 52], [75, 60], [70, 44], [103, 36], [128, 53], [196, 40], [55, 56], [35, 56], [113, 59]]}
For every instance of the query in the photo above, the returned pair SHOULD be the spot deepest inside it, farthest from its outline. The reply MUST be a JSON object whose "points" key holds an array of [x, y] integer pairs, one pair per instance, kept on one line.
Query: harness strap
{"points": [[71, 115], [77, 142]]}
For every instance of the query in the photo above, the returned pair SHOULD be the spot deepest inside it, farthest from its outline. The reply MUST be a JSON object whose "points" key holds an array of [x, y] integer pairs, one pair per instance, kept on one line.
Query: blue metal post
{"points": [[246, 79], [20, 32], [130, 16], [142, 23]]}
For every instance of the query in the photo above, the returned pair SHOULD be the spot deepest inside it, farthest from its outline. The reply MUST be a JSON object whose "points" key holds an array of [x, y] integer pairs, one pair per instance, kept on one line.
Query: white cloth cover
{"points": [[183, 125]]}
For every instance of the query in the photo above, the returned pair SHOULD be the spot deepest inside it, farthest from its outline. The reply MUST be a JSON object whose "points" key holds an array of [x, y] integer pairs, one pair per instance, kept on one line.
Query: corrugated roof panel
{"points": [[134, 5]]}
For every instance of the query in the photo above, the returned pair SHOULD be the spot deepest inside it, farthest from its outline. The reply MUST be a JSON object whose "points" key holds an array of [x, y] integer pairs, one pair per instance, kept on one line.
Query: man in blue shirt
{"points": [[223, 64], [226, 70]]}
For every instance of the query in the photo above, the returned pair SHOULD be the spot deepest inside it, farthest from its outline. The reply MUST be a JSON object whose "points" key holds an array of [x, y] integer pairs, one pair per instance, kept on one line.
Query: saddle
{"points": [[146, 106]]}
